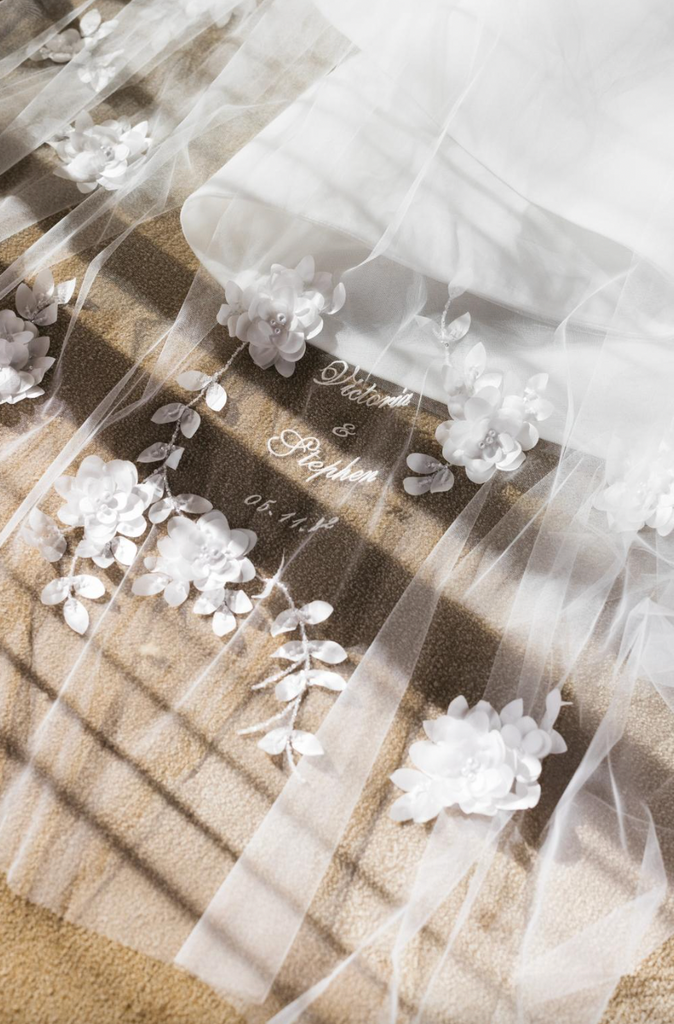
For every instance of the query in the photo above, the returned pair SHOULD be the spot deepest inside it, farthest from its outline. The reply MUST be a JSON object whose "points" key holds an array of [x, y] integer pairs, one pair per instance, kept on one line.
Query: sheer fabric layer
{"points": [[129, 802]]}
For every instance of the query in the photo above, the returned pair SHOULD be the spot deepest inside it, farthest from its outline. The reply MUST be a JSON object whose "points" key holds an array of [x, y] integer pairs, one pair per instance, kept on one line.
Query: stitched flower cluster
{"points": [[279, 313], [478, 760]]}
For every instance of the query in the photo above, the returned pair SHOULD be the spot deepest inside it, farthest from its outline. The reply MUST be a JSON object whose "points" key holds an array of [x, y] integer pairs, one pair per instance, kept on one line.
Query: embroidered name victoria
{"points": [[335, 374], [290, 442]]}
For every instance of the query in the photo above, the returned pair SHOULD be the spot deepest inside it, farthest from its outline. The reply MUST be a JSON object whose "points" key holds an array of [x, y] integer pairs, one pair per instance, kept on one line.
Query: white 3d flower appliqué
{"points": [[100, 154], [639, 489], [104, 501], [292, 683], [277, 314], [23, 359], [40, 303], [478, 760], [65, 45], [208, 554], [23, 350], [494, 419]]}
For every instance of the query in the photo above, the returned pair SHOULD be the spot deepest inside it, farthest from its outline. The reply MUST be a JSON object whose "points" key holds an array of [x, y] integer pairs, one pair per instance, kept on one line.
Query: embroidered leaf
{"points": [[168, 413], [45, 318], [123, 549], [56, 591], [149, 584], [104, 558], [291, 686], [64, 291], [329, 680], [316, 611], [338, 299], [88, 586], [24, 301], [43, 285], [285, 622], [76, 615], [193, 380], [209, 601], [161, 510], [154, 453], [90, 22], [152, 488], [176, 593], [327, 650], [458, 328], [238, 602], [558, 743], [306, 743], [192, 503], [416, 485], [442, 481], [291, 652], [223, 622], [423, 463], [275, 741], [174, 458], [216, 396], [189, 424]]}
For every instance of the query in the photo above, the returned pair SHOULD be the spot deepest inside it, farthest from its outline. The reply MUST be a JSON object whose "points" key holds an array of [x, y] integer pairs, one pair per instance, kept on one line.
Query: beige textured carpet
{"points": [[56, 971], [52, 972]]}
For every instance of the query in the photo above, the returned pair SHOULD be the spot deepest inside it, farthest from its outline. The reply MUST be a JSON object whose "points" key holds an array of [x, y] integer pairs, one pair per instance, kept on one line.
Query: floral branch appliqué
{"points": [[292, 684], [493, 420]]}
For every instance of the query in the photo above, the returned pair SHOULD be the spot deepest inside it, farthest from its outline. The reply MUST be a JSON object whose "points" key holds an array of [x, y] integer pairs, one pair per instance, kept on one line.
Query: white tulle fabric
{"points": [[523, 154]]}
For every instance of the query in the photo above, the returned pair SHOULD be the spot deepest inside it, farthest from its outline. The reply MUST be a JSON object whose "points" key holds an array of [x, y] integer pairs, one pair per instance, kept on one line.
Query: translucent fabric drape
{"points": [[522, 156]]}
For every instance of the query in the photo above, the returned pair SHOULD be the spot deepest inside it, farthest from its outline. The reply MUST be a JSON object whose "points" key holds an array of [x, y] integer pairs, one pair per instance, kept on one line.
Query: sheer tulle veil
{"points": [[439, 158]]}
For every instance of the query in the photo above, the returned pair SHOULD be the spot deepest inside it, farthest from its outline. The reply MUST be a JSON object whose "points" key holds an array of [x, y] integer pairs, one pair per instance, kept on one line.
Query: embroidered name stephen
{"points": [[290, 442], [335, 374]]}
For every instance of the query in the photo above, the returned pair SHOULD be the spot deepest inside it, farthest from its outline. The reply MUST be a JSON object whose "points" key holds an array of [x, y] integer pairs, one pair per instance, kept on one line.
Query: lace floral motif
{"points": [[478, 760], [279, 313], [100, 154], [639, 489], [23, 350], [292, 683], [493, 418]]}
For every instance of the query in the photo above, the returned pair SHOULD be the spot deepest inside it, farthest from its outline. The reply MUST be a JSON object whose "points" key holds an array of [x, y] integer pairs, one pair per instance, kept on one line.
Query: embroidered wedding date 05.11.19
{"points": [[293, 520]]}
